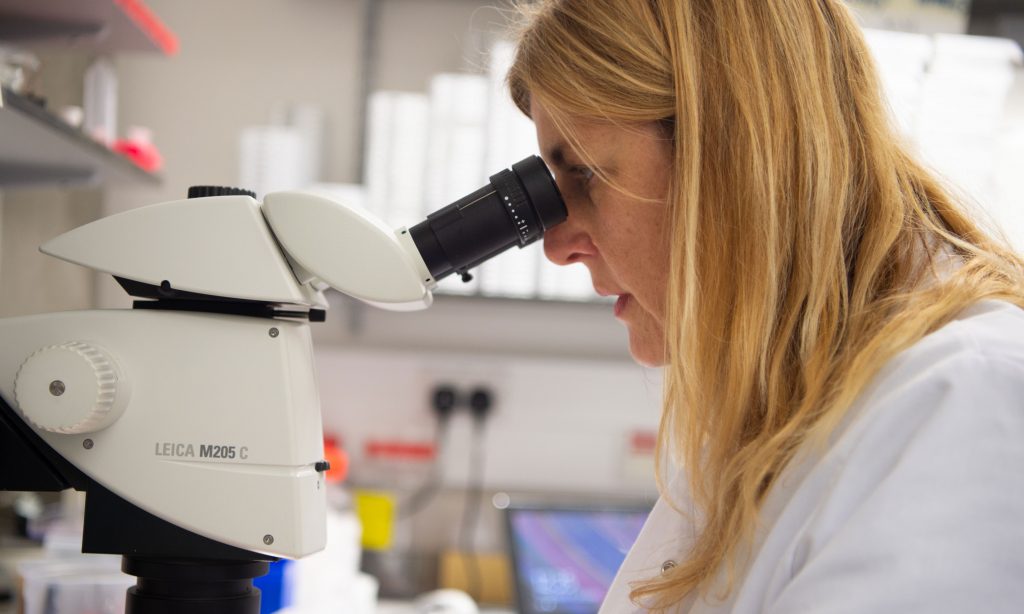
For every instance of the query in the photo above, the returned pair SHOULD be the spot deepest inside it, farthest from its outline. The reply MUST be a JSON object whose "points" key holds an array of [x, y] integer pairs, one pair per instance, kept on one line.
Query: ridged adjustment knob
{"points": [[69, 388], [202, 191]]}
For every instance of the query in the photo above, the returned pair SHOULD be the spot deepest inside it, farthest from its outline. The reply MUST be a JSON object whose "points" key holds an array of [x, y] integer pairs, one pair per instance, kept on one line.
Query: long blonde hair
{"points": [[804, 236]]}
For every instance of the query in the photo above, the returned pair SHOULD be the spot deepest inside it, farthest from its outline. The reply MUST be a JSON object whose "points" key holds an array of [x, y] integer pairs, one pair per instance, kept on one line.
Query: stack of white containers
{"points": [[455, 149], [949, 95], [395, 155], [269, 159], [286, 154], [427, 151], [963, 104], [510, 138]]}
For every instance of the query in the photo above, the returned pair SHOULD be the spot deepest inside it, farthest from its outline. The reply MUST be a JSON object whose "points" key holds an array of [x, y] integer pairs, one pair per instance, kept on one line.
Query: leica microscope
{"points": [[192, 420]]}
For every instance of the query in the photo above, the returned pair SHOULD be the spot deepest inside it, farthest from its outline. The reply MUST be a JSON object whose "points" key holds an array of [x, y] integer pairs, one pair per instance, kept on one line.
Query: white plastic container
{"points": [[100, 102]]}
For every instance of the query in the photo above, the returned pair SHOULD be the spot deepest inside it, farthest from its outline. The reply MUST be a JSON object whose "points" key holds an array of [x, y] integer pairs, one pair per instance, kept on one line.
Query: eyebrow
{"points": [[556, 155]]}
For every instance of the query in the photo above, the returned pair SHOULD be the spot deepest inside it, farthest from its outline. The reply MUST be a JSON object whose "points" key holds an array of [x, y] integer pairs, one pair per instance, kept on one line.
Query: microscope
{"points": [[192, 420]]}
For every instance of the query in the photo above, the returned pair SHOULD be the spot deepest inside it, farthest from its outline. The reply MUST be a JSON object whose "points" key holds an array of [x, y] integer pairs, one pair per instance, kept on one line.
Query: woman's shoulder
{"points": [[889, 512], [932, 444], [982, 346], [990, 328], [955, 388]]}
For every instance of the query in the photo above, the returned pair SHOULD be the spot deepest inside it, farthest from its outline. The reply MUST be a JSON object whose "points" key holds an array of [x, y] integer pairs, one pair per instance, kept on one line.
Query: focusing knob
{"points": [[517, 206], [202, 191], [69, 388]]}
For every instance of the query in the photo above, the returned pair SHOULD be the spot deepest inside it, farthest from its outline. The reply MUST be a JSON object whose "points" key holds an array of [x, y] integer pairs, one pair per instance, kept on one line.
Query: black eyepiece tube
{"points": [[516, 208]]}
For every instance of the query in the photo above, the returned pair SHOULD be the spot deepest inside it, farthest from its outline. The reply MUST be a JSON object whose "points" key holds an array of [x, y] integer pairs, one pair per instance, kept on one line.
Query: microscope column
{"points": [[192, 586]]}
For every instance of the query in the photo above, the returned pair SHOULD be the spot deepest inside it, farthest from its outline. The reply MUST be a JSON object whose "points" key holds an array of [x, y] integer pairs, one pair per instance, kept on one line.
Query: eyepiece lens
{"points": [[515, 208]]}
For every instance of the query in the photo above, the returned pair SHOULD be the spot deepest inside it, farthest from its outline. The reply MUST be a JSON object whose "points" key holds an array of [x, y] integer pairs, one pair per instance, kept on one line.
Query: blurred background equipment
{"points": [[923, 16], [564, 559]]}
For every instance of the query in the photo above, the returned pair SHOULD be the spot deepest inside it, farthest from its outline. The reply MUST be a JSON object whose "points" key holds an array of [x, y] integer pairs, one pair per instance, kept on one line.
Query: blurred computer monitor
{"points": [[564, 559]]}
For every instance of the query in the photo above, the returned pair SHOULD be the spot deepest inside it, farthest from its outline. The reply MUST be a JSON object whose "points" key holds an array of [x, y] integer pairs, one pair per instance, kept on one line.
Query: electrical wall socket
{"points": [[464, 378]]}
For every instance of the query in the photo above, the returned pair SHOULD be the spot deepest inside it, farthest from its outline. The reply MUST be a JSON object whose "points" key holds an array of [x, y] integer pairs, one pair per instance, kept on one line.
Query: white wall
{"points": [[29, 281], [238, 60], [560, 433], [417, 39], [561, 426]]}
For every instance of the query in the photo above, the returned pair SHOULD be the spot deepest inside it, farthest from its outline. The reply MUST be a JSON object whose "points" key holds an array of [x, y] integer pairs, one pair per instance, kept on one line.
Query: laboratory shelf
{"points": [[38, 148], [104, 25], [483, 299], [480, 324]]}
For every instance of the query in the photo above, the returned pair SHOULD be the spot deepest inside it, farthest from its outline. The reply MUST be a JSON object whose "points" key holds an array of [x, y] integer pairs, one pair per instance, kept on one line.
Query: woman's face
{"points": [[618, 228]]}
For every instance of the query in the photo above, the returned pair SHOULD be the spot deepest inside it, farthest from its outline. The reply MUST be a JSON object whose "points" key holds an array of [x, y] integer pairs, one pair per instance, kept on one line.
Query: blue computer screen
{"points": [[565, 560]]}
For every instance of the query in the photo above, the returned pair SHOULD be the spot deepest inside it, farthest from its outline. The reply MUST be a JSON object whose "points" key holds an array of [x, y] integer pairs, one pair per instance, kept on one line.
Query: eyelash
{"points": [[582, 174]]}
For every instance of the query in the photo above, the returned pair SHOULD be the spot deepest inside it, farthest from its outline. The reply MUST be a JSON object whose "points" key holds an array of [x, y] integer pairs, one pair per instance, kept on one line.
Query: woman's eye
{"points": [[582, 174]]}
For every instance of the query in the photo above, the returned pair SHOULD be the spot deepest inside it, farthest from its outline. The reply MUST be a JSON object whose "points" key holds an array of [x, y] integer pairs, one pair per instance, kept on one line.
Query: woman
{"points": [[843, 347]]}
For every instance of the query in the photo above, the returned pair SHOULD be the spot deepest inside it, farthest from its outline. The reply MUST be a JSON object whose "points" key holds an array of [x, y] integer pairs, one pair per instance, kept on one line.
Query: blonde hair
{"points": [[805, 239]]}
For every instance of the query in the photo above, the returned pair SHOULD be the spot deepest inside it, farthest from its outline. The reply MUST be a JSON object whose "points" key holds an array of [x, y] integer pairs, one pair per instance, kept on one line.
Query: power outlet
{"points": [[466, 388]]}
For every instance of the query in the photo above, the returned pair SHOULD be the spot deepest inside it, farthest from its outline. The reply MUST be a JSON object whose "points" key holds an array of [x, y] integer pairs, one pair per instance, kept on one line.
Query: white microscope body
{"points": [[203, 410], [192, 420]]}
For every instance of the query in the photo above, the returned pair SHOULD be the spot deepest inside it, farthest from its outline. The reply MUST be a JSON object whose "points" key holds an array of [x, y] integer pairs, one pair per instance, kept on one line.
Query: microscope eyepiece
{"points": [[516, 207]]}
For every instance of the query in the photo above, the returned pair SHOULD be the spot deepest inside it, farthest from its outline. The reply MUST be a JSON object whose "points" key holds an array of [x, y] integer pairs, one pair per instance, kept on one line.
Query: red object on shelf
{"points": [[144, 155], [400, 450], [338, 458], [148, 22], [643, 442]]}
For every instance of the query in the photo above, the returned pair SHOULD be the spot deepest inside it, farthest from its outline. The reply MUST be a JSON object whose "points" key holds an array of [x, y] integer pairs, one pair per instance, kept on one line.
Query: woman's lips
{"points": [[620, 304]]}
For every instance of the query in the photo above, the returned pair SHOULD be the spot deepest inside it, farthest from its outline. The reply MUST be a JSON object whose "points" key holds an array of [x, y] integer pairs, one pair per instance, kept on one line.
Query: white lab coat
{"points": [[917, 505]]}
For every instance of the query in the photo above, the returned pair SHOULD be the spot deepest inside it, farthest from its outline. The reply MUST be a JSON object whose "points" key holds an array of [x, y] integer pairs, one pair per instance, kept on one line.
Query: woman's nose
{"points": [[569, 241]]}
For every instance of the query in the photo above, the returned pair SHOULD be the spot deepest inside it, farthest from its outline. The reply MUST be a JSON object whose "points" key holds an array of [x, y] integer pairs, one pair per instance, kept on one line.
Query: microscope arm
{"points": [[331, 244], [283, 251]]}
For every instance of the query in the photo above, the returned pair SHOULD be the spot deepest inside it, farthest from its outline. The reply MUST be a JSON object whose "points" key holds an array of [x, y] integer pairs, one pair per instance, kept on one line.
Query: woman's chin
{"points": [[647, 352]]}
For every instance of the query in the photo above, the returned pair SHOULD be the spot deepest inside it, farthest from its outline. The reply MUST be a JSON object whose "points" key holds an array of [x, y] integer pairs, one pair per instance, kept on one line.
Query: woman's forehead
{"points": [[561, 135]]}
